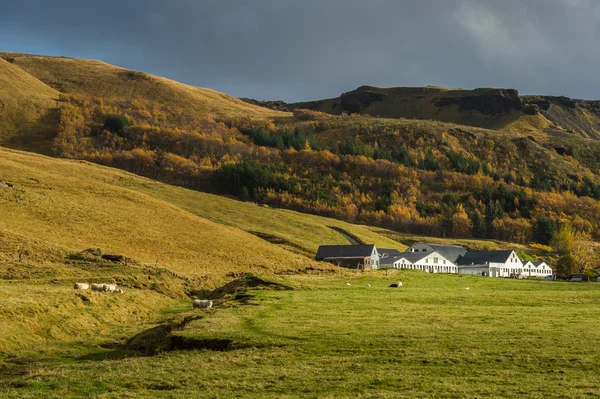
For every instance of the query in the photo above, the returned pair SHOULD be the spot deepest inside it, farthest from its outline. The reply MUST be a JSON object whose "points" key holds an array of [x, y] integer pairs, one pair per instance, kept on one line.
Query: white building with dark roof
{"points": [[491, 263], [361, 256], [431, 262], [451, 253]]}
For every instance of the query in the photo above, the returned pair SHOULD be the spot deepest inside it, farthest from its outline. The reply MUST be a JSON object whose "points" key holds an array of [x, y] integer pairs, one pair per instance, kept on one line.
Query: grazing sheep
{"points": [[97, 287], [202, 303], [81, 286], [348, 284], [468, 288], [118, 291], [110, 287], [367, 285], [396, 285]]}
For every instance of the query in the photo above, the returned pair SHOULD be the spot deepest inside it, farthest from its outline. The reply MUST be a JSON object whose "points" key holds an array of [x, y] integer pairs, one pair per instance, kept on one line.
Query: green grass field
{"points": [[445, 336]]}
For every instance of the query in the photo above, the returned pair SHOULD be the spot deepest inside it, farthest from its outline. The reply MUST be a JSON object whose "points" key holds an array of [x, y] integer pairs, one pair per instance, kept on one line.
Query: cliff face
{"points": [[580, 117], [486, 101]]}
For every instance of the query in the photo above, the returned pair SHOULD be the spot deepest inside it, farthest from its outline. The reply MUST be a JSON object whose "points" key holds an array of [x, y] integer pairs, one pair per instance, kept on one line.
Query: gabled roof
{"points": [[451, 252], [388, 251], [411, 257], [483, 257], [538, 264], [344, 251]]}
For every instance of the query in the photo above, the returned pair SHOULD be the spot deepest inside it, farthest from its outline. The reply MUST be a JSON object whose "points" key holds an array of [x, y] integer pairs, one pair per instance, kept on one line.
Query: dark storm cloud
{"points": [[300, 50]]}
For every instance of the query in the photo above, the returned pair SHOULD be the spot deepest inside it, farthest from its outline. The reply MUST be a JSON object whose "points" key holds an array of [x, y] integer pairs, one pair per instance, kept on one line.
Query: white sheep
{"points": [[110, 287], [367, 285], [97, 287], [202, 303], [81, 286]]}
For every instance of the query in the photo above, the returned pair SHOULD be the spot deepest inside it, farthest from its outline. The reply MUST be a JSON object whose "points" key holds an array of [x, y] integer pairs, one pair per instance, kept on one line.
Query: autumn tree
{"points": [[461, 224]]}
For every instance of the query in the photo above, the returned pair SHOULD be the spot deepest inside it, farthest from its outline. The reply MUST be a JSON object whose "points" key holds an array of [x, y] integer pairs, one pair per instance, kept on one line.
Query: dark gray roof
{"points": [[483, 257], [537, 264], [412, 257], [344, 251], [451, 252], [388, 251]]}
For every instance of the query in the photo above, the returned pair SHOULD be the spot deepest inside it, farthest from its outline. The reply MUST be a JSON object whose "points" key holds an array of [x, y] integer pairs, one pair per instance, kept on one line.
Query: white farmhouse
{"points": [[362, 256], [491, 263], [536, 269], [451, 253], [431, 262]]}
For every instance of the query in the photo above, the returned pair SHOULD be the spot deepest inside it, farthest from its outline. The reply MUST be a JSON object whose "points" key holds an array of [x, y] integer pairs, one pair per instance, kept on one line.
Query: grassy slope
{"points": [[432, 338], [74, 205], [95, 78], [300, 231], [59, 207], [27, 109]]}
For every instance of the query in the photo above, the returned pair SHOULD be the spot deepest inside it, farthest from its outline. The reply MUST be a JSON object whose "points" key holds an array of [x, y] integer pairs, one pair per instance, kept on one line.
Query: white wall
{"points": [[432, 263]]}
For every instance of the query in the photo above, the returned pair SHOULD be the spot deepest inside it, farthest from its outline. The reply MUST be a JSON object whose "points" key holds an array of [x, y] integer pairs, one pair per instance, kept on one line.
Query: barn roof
{"points": [[451, 252], [483, 257], [388, 252], [344, 251], [538, 264]]}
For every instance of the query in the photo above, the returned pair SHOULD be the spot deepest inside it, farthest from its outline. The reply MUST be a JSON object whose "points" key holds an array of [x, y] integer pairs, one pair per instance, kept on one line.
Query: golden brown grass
{"points": [[75, 205], [99, 79], [26, 109]]}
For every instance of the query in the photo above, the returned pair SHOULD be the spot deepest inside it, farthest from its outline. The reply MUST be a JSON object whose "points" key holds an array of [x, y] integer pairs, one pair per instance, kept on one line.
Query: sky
{"points": [[295, 50]]}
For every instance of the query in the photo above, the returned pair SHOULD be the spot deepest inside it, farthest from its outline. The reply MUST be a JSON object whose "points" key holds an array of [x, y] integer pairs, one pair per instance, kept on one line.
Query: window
{"points": [[426, 260], [424, 250], [435, 260], [444, 261]]}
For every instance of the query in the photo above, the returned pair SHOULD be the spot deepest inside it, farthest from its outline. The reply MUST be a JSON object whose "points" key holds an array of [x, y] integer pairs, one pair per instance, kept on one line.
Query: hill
{"points": [[29, 117], [99, 79], [60, 216], [58, 207], [500, 109], [517, 179]]}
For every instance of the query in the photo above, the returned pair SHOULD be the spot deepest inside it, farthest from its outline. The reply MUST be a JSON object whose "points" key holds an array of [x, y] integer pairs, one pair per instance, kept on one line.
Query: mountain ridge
{"points": [[491, 108]]}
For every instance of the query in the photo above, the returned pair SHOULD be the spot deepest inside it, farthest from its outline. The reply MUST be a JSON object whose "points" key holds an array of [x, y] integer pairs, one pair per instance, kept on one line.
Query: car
{"points": [[577, 277]]}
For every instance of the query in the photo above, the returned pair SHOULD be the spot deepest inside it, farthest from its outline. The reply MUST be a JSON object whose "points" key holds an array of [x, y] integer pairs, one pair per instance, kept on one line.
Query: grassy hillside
{"points": [[98, 79], [296, 231], [71, 206], [74, 206], [437, 336], [419, 176], [28, 114]]}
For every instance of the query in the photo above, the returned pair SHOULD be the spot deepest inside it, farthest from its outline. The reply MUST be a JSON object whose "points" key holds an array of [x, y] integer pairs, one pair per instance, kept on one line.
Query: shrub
{"points": [[308, 115], [116, 123]]}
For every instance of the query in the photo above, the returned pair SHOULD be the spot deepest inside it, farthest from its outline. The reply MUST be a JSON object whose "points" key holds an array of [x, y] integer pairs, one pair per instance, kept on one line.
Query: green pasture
{"points": [[439, 336]]}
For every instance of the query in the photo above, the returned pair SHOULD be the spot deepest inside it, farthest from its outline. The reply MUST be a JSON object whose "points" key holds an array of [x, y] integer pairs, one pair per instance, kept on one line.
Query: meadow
{"points": [[439, 336]]}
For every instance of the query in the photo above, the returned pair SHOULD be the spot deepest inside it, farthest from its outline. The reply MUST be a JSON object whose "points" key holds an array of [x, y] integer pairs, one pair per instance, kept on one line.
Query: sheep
{"points": [[97, 287], [202, 303], [348, 284], [468, 288], [110, 287], [81, 286], [104, 287], [118, 291], [398, 285], [367, 285]]}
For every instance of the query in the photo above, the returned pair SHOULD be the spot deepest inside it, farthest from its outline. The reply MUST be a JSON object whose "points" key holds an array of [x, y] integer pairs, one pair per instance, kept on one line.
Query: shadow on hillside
{"points": [[161, 339], [38, 136]]}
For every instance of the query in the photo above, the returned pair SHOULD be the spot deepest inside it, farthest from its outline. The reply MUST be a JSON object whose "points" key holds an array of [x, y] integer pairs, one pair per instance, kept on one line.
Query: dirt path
{"points": [[352, 239]]}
